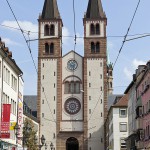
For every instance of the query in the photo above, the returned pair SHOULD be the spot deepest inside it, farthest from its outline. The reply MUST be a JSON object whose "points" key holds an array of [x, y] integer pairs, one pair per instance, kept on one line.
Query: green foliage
{"points": [[29, 135]]}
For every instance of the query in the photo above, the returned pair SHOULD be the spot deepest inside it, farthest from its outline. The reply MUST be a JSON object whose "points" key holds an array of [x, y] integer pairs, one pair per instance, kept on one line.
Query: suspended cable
{"points": [[126, 33], [71, 36], [28, 45]]}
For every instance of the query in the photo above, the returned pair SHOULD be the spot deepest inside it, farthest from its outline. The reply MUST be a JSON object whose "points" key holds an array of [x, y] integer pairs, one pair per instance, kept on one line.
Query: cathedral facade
{"points": [[72, 89]]}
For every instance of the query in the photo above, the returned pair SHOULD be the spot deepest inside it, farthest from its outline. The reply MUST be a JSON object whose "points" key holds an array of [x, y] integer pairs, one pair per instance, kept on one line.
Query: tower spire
{"points": [[95, 10], [50, 10]]}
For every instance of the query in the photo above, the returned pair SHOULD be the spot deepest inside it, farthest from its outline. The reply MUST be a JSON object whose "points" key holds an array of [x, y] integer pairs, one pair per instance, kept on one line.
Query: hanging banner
{"points": [[20, 118], [5, 121]]}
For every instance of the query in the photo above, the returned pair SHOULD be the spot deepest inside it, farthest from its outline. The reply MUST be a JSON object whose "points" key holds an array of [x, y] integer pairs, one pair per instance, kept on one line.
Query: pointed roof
{"points": [[95, 10], [50, 10]]}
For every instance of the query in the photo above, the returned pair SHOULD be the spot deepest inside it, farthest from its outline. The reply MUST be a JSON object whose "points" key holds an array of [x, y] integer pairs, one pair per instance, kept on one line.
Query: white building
{"points": [[72, 89], [118, 124], [11, 91]]}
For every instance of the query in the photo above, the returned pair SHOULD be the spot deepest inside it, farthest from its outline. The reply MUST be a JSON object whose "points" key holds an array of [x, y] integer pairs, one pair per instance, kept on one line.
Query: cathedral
{"points": [[73, 89]]}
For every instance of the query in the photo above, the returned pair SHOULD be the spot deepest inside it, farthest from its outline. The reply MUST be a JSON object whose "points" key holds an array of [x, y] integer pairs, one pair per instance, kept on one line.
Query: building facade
{"points": [[131, 91], [70, 86], [11, 92], [118, 124], [143, 91]]}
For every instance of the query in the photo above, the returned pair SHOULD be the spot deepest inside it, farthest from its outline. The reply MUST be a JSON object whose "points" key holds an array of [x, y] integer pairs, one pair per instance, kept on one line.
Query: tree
{"points": [[29, 135]]}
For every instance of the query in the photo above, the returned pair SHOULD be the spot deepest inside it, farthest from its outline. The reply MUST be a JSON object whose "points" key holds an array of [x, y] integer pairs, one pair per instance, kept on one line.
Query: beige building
{"points": [[72, 89]]}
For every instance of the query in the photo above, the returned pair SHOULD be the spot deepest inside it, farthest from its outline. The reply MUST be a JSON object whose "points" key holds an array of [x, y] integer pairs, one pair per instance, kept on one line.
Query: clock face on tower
{"points": [[72, 65], [72, 106]]}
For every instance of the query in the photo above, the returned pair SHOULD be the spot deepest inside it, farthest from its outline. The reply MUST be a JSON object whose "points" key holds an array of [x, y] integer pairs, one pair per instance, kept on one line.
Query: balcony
{"points": [[139, 123]]}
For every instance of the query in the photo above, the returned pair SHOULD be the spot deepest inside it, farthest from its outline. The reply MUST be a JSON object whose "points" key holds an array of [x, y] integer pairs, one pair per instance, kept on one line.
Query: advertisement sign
{"points": [[5, 121], [12, 125], [20, 117]]}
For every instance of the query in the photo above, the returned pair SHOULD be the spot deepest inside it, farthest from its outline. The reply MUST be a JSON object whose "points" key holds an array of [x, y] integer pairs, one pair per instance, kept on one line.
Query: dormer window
{"points": [[92, 30], [97, 29], [46, 30], [52, 30]]}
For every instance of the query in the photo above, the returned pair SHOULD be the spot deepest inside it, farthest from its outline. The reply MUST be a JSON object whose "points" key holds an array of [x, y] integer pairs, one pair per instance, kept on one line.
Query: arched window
{"points": [[52, 48], [66, 87], [92, 29], [97, 29], [46, 30], [92, 47], [97, 47], [46, 48], [72, 87], [52, 30], [77, 87]]}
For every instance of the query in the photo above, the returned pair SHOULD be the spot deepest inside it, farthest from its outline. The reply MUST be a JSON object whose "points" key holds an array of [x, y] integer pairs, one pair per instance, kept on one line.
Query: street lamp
{"points": [[51, 146], [45, 146], [43, 142]]}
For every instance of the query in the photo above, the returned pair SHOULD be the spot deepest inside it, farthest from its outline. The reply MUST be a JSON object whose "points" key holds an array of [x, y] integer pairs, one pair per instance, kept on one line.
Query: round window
{"points": [[72, 106]]}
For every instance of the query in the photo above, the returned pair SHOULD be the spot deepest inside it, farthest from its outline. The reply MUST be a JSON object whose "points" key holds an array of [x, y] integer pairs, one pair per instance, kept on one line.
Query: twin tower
{"points": [[72, 89]]}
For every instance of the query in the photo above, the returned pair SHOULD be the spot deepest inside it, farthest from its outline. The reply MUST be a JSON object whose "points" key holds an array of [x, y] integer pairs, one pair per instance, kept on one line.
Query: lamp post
{"points": [[45, 146], [51, 146], [43, 142]]}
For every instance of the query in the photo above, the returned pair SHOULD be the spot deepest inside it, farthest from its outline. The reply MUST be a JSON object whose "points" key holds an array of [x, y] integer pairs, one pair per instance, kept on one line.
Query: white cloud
{"points": [[128, 73], [67, 39], [65, 34], [25, 25], [10, 42], [136, 63], [110, 45], [80, 40]]}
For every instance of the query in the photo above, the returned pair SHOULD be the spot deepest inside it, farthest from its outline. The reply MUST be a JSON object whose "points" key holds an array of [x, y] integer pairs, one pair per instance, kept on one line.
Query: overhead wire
{"points": [[118, 54], [125, 37], [28, 46], [75, 37], [72, 36]]}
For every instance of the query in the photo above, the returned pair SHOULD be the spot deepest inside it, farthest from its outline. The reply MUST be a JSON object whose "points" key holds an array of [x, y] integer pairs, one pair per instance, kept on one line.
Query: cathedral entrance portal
{"points": [[72, 144]]}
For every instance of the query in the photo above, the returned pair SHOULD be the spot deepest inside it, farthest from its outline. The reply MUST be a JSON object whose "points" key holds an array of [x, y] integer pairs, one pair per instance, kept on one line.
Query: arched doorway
{"points": [[72, 144]]}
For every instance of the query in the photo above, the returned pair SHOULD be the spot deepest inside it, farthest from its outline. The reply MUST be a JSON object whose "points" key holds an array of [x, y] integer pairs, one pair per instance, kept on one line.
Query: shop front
{"points": [[7, 146]]}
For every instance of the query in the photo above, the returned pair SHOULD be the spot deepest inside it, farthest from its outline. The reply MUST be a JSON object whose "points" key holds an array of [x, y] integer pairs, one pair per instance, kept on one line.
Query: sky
{"points": [[119, 14]]}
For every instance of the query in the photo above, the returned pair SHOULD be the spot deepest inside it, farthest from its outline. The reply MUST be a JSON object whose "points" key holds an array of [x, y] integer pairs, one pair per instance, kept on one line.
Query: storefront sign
{"points": [[5, 121]]}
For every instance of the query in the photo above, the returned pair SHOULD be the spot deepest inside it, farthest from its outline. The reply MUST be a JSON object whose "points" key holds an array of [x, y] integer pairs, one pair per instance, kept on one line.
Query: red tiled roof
{"points": [[122, 102]]}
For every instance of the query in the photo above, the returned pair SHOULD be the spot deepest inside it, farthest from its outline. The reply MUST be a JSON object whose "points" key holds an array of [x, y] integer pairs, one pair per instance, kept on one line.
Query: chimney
{"points": [[10, 54]]}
